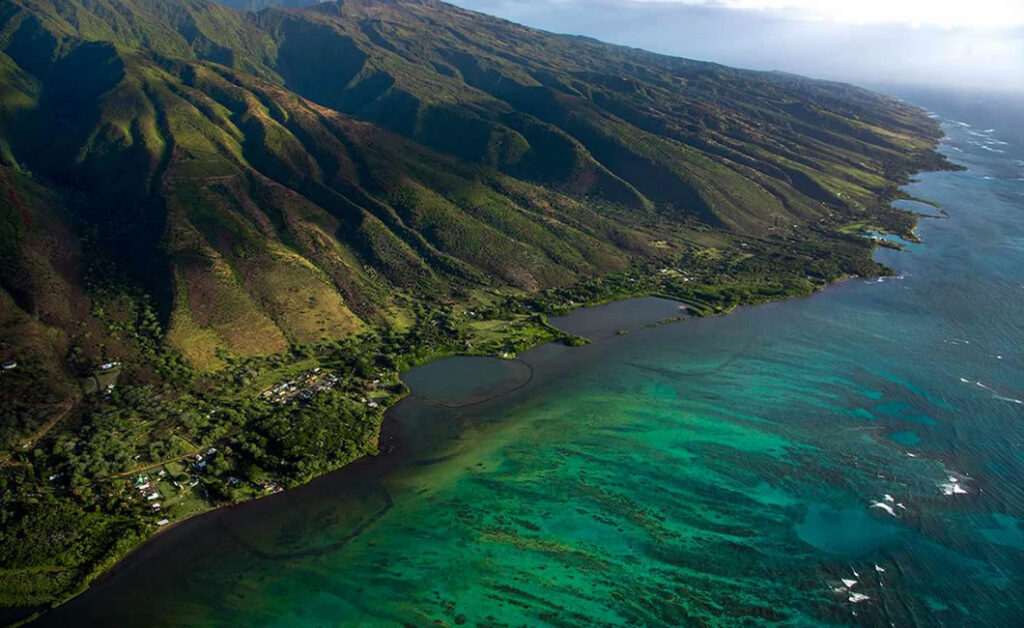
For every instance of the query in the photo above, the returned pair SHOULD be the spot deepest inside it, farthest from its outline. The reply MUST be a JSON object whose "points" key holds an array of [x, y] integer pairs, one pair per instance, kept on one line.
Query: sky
{"points": [[973, 44]]}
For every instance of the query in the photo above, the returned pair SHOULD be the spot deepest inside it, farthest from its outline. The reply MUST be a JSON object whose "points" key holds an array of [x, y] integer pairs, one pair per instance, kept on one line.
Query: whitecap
{"points": [[879, 569], [952, 488], [886, 507], [889, 498], [858, 597], [848, 583], [1010, 399]]}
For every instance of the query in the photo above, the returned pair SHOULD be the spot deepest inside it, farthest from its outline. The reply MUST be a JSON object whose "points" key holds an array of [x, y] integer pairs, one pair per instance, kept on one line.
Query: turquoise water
{"points": [[713, 472]]}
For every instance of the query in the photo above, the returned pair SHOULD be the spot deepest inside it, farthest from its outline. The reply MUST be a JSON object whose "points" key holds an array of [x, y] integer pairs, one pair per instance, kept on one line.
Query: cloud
{"points": [[789, 35], [944, 13]]}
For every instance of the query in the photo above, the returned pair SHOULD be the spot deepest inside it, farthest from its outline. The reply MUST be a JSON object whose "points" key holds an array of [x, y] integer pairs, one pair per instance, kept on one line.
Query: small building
{"points": [[163, 522], [152, 496]]}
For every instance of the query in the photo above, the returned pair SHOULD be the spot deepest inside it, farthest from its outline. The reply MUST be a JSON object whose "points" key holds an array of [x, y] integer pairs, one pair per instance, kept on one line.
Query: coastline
{"points": [[809, 371], [387, 425], [386, 431]]}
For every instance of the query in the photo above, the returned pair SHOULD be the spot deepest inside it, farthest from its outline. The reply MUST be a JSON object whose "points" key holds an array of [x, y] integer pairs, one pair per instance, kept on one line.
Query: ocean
{"points": [[851, 458]]}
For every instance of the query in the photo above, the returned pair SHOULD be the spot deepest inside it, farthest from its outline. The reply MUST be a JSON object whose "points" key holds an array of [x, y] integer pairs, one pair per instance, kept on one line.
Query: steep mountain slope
{"points": [[636, 128], [188, 126], [215, 201], [190, 157]]}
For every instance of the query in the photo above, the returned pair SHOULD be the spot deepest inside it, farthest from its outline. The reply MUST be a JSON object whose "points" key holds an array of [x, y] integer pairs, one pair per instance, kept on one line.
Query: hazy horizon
{"points": [[976, 48]]}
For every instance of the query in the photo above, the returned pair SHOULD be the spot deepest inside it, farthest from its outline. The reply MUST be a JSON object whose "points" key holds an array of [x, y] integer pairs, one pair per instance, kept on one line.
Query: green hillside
{"points": [[222, 201]]}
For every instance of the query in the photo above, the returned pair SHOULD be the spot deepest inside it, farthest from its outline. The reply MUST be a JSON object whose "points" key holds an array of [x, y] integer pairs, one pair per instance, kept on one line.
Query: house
{"points": [[152, 496], [142, 488], [163, 522]]}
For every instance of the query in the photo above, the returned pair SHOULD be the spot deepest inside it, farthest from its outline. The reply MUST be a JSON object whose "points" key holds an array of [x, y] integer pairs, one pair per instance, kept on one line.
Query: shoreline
{"points": [[757, 338], [387, 431], [387, 428]]}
